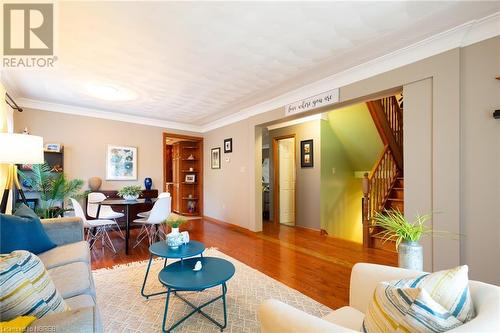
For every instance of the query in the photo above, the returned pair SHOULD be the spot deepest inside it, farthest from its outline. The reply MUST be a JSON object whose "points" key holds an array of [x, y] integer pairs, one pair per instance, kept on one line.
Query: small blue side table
{"points": [[180, 276], [161, 249]]}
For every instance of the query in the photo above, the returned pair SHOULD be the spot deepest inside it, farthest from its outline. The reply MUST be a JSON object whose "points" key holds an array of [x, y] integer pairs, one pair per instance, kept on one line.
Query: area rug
{"points": [[123, 309]]}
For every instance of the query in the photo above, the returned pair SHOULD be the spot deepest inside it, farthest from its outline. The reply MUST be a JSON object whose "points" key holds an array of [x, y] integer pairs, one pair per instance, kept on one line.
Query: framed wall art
{"points": [[121, 163], [190, 179], [306, 154], [215, 158], [228, 145]]}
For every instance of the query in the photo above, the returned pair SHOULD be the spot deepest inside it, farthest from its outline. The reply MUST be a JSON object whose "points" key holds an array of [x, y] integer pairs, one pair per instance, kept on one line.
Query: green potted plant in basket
{"points": [[130, 193], [406, 234], [175, 238]]}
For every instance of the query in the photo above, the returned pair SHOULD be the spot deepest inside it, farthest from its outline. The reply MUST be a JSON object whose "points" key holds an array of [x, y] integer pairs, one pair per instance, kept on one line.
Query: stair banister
{"points": [[376, 188]]}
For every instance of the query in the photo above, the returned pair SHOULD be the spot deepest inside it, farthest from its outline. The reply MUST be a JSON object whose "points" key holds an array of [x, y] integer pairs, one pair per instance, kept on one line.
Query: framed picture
{"points": [[306, 154], [215, 158], [53, 147], [228, 145], [121, 163], [190, 179]]}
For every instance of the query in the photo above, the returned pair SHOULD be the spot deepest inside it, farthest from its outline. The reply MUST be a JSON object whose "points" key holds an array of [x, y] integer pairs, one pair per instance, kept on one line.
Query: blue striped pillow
{"points": [[434, 302], [26, 288], [449, 288]]}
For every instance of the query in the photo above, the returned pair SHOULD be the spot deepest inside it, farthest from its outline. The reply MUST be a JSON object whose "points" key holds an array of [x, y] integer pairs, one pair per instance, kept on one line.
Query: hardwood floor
{"points": [[316, 265]]}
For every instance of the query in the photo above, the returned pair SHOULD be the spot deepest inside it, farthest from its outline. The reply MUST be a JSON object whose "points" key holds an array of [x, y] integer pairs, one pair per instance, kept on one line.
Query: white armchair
{"points": [[278, 317]]}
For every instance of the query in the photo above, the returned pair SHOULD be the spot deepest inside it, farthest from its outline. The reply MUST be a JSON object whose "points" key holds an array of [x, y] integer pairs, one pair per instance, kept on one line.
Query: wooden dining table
{"points": [[145, 204]]}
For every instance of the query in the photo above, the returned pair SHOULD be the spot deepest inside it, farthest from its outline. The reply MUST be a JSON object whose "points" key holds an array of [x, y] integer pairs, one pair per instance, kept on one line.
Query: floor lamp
{"points": [[18, 149]]}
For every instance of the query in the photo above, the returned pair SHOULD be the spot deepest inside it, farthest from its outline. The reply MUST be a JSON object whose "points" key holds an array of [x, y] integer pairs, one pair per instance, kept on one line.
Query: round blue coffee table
{"points": [[180, 276], [162, 250]]}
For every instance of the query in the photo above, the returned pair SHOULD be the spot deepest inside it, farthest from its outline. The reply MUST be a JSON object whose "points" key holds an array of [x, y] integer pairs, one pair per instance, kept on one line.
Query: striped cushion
{"points": [[433, 302], [26, 288], [449, 288], [427, 315]]}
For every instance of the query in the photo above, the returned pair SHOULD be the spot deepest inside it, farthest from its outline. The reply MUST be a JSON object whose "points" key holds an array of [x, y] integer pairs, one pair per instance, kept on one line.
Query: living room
{"points": [[166, 231]]}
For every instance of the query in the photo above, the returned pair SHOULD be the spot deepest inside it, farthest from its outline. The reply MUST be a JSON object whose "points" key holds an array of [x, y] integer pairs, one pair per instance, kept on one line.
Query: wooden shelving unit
{"points": [[185, 195]]}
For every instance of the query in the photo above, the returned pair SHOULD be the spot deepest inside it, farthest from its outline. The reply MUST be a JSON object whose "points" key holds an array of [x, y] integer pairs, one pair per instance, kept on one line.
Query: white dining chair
{"points": [[151, 225], [95, 229], [161, 195], [106, 212]]}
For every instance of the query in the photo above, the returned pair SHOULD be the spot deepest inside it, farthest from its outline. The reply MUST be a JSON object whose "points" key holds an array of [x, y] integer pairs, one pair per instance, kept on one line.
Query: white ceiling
{"points": [[194, 63]]}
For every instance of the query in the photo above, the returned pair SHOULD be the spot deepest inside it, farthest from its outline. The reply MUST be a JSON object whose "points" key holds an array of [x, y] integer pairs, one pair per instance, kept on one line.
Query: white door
{"points": [[286, 155]]}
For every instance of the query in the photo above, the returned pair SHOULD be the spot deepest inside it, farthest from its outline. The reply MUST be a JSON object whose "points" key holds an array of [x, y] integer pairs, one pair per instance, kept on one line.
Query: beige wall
{"points": [[226, 196], [5, 127], [480, 160], [85, 140], [308, 179], [438, 192], [451, 153], [417, 131]]}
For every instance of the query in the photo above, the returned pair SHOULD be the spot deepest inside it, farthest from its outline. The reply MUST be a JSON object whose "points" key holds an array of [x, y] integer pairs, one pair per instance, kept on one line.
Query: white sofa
{"points": [[278, 317]]}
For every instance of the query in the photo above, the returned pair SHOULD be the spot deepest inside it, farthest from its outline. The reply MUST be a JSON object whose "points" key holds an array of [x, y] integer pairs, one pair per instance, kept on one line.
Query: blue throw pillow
{"points": [[23, 232], [24, 211]]}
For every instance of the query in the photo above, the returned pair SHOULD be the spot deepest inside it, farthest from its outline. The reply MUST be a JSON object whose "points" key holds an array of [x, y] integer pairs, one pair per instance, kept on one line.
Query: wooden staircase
{"points": [[394, 201], [383, 187]]}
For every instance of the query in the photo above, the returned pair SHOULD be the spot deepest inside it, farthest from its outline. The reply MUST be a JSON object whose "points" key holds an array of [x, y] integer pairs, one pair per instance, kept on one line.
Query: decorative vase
{"points": [[175, 238], [410, 256], [95, 183], [131, 197], [148, 183]]}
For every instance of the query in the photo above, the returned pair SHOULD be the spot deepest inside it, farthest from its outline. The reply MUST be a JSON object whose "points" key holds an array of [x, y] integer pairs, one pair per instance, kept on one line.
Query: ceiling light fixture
{"points": [[110, 92]]}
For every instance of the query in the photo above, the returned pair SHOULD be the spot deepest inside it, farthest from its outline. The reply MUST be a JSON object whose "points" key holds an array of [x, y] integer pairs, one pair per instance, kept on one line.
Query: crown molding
{"points": [[95, 113], [484, 28], [463, 35]]}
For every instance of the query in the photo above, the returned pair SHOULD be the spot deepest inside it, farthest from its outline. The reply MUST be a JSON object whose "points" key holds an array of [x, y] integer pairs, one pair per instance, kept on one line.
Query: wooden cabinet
{"points": [[176, 176], [187, 184]]}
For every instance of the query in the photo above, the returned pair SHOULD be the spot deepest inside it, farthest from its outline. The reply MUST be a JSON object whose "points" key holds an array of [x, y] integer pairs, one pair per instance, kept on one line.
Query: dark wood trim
{"points": [[276, 167], [200, 171]]}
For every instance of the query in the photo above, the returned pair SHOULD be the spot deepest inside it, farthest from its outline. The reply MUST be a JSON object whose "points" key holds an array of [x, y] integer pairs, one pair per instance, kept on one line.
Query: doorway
{"points": [[284, 180], [183, 173]]}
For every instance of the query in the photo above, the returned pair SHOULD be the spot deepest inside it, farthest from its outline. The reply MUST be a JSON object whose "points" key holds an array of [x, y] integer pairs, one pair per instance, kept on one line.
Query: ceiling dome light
{"points": [[110, 92]]}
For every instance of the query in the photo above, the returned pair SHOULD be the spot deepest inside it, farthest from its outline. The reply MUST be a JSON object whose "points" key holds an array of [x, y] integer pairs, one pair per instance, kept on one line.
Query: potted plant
{"points": [[406, 234], [175, 238], [130, 193], [54, 189]]}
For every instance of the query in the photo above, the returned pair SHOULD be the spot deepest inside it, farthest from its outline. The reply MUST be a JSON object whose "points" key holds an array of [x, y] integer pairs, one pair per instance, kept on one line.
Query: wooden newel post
{"points": [[365, 206]]}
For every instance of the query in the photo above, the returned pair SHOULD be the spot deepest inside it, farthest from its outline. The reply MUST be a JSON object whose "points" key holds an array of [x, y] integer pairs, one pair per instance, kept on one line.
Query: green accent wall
{"points": [[357, 133], [349, 143]]}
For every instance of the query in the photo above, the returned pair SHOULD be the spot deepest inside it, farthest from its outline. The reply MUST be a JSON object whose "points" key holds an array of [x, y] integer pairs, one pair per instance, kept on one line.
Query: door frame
{"points": [[276, 173], [200, 174]]}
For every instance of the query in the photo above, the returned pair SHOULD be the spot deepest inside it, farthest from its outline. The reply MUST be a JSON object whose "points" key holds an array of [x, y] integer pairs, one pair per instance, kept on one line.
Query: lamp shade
{"points": [[20, 149]]}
